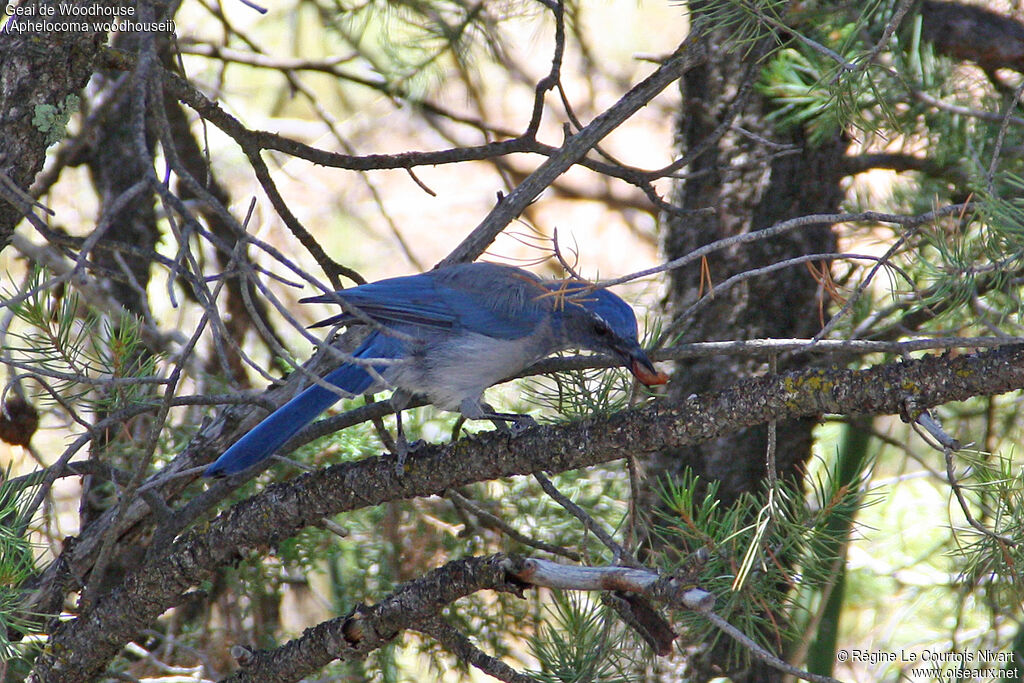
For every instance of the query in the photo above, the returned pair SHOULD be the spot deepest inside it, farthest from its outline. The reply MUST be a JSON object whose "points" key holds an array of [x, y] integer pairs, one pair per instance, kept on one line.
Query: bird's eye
{"points": [[601, 330]]}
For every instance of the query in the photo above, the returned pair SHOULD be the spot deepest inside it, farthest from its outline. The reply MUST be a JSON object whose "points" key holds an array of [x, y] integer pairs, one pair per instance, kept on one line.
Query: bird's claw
{"points": [[520, 425], [402, 449]]}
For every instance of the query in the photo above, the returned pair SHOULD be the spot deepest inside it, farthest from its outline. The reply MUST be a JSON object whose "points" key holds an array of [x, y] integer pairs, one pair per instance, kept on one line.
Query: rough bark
{"points": [[39, 70], [750, 183]]}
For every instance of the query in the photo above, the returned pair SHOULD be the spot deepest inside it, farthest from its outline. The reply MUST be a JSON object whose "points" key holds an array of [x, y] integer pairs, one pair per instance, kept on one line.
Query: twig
{"points": [[715, 290], [992, 116], [462, 647], [959, 493], [620, 553], [890, 28], [687, 56], [773, 429], [500, 524], [10, 191], [763, 654], [1004, 125], [253, 5], [862, 285], [782, 227], [554, 75]]}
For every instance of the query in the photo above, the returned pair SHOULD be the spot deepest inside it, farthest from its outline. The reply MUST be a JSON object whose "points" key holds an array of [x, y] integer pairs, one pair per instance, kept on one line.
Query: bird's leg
{"points": [[401, 443], [457, 427], [519, 423], [402, 446]]}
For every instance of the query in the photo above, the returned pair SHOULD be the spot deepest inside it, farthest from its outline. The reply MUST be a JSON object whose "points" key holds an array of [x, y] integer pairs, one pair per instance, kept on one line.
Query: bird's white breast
{"points": [[449, 371]]}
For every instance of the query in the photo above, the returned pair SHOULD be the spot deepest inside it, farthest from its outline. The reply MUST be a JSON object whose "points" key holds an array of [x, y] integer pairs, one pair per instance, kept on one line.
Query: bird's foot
{"points": [[521, 424], [402, 450], [511, 423]]}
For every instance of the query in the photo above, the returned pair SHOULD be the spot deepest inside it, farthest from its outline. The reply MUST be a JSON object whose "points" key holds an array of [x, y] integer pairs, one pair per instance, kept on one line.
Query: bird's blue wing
{"points": [[497, 301], [413, 299]]}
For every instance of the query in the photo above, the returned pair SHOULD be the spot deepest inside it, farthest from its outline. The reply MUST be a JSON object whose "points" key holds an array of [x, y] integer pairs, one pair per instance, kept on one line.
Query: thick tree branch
{"points": [[417, 606], [972, 33], [955, 173], [368, 628]]}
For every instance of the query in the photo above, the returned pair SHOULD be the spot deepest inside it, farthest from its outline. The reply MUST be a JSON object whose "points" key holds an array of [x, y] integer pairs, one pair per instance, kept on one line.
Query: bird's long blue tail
{"points": [[285, 422]]}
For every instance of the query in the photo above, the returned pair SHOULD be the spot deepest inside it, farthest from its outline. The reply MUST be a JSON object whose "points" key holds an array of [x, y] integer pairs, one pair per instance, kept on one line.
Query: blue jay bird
{"points": [[448, 335]]}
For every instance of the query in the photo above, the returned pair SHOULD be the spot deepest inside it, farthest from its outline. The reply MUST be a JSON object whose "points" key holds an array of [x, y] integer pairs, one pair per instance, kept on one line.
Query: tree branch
{"points": [[575, 148], [353, 636]]}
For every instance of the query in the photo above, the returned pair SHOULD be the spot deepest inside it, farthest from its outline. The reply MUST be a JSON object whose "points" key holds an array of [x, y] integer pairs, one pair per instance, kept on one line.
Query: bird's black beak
{"points": [[642, 368], [640, 365]]}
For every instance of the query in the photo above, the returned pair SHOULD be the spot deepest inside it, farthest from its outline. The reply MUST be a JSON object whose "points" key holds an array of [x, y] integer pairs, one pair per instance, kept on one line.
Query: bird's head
{"points": [[597, 320]]}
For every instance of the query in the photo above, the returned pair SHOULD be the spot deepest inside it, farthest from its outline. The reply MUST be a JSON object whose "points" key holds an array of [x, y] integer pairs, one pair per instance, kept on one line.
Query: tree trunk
{"points": [[752, 176], [41, 72]]}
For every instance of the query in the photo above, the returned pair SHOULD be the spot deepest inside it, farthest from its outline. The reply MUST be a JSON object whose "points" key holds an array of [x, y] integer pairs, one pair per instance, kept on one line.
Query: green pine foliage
{"points": [[17, 565], [746, 22], [758, 555], [75, 349], [988, 558], [583, 640]]}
